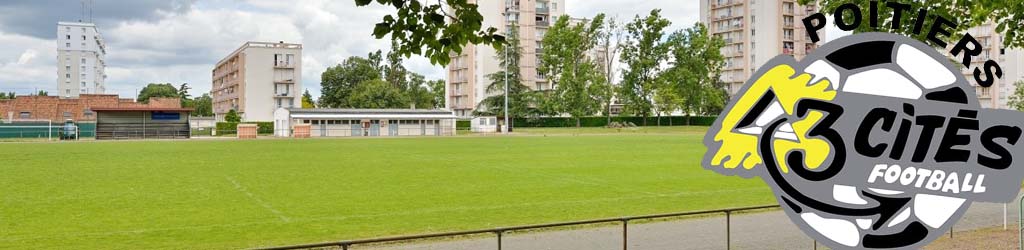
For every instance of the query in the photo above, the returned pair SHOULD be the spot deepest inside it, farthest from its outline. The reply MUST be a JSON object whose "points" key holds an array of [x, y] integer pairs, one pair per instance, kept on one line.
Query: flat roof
{"points": [[131, 109], [370, 113]]}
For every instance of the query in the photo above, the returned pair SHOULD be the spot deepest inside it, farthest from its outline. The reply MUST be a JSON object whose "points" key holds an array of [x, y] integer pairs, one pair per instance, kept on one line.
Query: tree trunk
{"points": [[687, 119], [577, 122], [670, 120], [645, 119], [659, 119], [609, 122]]}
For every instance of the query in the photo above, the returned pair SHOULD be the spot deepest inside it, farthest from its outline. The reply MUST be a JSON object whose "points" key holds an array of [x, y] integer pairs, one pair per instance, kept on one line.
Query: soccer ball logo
{"points": [[845, 139]]}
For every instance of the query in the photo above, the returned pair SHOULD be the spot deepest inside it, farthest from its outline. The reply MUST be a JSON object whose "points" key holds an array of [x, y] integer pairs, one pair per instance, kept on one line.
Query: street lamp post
{"points": [[505, 47]]}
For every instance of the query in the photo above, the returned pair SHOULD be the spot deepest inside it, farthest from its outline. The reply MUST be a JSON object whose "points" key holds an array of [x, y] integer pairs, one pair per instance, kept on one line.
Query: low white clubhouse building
{"points": [[365, 122]]}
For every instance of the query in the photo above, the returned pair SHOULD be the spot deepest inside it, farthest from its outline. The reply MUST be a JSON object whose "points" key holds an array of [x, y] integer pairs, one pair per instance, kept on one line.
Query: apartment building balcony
{"points": [[544, 23], [543, 10], [224, 97], [724, 4], [284, 95], [284, 65], [285, 81]]}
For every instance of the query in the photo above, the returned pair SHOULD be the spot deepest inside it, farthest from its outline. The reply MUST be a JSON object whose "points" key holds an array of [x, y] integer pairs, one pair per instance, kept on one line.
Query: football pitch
{"points": [[229, 194]]}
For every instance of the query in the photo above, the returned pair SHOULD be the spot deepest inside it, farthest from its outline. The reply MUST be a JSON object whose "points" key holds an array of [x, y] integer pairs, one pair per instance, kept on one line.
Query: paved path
{"points": [[766, 230]]}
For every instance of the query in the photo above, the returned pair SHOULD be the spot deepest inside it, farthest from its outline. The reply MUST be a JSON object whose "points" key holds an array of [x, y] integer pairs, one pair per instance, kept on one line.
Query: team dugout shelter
{"points": [[365, 122], [138, 123]]}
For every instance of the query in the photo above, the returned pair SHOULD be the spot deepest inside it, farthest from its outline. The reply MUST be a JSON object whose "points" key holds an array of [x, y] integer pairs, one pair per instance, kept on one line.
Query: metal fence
{"points": [[498, 232], [44, 130]]}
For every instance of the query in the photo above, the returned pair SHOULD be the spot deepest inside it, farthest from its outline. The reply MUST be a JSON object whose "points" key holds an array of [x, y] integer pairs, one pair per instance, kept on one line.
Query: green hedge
{"points": [[463, 124], [230, 128], [601, 121]]}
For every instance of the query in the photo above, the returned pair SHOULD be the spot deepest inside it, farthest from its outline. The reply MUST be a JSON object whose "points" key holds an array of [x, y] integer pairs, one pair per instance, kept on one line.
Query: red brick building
{"points": [[78, 109]]}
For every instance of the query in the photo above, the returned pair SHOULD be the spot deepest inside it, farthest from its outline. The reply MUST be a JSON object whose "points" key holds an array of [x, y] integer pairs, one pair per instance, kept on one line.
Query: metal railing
{"points": [[498, 232]]}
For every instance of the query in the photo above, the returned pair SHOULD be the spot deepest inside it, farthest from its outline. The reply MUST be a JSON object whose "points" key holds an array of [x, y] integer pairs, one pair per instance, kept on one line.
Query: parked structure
{"points": [[81, 108], [140, 123], [755, 32], [256, 79], [467, 72], [484, 124], [81, 68], [365, 122]]}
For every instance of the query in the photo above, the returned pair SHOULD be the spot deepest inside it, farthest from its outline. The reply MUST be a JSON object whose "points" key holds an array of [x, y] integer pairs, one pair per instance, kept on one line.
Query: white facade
{"points": [[1011, 61], [755, 32], [365, 122], [257, 79], [81, 68]]}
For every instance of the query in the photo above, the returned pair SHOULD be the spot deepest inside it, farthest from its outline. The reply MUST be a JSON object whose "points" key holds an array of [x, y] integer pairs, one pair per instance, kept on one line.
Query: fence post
{"points": [[625, 238], [728, 231], [499, 239]]}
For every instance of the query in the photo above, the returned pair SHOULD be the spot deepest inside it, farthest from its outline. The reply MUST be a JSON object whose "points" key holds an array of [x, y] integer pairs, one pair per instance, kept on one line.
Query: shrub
{"points": [[601, 121], [230, 128]]}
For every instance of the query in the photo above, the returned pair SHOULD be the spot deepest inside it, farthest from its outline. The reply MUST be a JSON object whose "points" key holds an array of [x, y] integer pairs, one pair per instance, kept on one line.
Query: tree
{"points": [[338, 82], [307, 100], [232, 116], [157, 90], [508, 57], [695, 70], [420, 96], [666, 100], [377, 94], [566, 64], [43, 93], [435, 31], [643, 53], [202, 106], [1017, 99], [966, 14], [9, 95], [611, 38], [437, 88]]}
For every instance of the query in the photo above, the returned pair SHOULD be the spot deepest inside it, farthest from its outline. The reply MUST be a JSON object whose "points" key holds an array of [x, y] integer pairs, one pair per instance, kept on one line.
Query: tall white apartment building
{"points": [[1010, 60], [81, 68], [467, 72], [257, 79], [756, 31]]}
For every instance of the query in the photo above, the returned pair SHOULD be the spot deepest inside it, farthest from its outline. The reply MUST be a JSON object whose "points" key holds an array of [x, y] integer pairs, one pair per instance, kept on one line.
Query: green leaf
{"points": [[381, 30], [362, 2]]}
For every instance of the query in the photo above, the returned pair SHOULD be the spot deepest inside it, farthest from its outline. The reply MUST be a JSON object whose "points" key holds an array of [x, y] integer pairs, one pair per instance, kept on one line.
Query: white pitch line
{"points": [[259, 201]]}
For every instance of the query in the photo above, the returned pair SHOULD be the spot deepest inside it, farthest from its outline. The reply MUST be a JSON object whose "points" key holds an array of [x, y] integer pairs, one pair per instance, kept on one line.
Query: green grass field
{"points": [[227, 194]]}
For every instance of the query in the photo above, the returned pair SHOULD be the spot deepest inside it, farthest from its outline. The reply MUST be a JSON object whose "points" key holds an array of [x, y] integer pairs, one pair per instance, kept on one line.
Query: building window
{"points": [[67, 114], [25, 115], [68, 76], [68, 68], [87, 112], [69, 37], [67, 45], [83, 84], [83, 38]]}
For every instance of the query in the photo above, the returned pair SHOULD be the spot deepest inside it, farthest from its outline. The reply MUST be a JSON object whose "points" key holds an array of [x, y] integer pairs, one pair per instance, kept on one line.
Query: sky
{"points": [[180, 41]]}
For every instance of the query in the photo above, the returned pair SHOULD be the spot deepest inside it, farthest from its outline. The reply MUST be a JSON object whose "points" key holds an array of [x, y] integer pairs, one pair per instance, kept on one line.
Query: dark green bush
{"points": [[230, 128], [600, 121]]}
